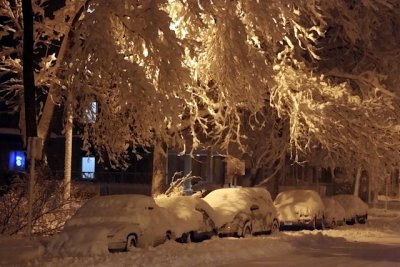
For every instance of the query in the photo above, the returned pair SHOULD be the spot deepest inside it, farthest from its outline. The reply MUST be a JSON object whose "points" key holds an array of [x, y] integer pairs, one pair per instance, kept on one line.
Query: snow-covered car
{"points": [[194, 217], [243, 211], [300, 208], [356, 209], [334, 213], [114, 223]]}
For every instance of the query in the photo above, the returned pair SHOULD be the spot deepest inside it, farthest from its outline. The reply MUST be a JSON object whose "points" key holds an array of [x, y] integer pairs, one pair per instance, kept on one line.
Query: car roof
{"points": [[101, 205], [233, 192]]}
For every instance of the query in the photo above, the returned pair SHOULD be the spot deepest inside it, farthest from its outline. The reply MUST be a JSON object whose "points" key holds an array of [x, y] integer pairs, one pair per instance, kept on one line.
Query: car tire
{"points": [[313, 224], [352, 221], [247, 230], [274, 227], [185, 238], [168, 235], [320, 225], [362, 219], [131, 242]]}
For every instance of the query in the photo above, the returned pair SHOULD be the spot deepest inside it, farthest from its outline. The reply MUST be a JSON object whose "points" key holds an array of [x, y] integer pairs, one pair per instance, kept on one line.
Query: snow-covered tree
{"points": [[340, 95], [53, 23], [317, 77], [53, 27]]}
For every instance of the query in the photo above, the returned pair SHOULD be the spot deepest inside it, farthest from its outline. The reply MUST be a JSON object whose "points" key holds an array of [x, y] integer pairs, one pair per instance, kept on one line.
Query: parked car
{"points": [[300, 208], [356, 209], [195, 217], [243, 211], [116, 223], [334, 213]]}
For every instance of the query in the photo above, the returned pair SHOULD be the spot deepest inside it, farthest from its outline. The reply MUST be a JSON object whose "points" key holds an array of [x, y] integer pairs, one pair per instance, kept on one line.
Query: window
{"points": [[88, 167], [16, 161], [91, 113]]}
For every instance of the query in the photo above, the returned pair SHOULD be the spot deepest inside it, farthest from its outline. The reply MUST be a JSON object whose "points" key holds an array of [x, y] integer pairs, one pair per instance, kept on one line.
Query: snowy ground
{"points": [[375, 244]]}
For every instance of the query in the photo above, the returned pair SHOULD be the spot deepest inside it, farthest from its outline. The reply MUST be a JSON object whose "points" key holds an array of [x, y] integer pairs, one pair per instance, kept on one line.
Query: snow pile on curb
{"points": [[14, 251], [211, 252]]}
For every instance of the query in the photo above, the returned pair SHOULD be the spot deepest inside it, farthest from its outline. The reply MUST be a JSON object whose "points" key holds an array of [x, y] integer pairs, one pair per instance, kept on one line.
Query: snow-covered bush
{"points": [[49, 210], [177, 185]]}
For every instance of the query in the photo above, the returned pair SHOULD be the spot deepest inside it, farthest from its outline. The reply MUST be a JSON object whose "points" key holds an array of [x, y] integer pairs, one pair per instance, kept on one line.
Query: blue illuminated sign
{"points": [[16, 161]]}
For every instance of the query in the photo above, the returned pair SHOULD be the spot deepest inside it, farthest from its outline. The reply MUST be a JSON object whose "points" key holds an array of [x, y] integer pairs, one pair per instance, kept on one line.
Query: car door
{"points": [[264, 213], [158, 224]]}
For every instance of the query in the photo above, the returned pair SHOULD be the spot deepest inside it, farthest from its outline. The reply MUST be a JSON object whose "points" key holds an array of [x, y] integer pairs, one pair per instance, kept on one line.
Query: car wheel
{"points": [[362, 219], [351, 221], [131, 242], [246, 230], [274, 227], [168, 235], [313, 224], [185, 238], [321, 224]]}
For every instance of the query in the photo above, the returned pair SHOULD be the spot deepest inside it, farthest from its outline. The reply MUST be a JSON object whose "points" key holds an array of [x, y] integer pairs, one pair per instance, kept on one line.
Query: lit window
{"points": [[88, 167], [16, 160], [91, 113]]}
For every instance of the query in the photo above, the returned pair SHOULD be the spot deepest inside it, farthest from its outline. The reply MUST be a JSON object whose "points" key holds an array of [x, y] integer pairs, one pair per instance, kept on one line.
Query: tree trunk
{"points": [[386, 192], [319, 172], [370, 189], [279, 177], [53, 96], [28, 76], [47, 114], [398, 183], [357, 182], [68, 147], [29, 99], [158, 184]]}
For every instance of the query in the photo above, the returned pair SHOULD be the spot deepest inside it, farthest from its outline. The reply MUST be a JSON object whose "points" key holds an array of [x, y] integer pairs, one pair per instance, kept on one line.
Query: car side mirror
{"points": [[254, 207]]}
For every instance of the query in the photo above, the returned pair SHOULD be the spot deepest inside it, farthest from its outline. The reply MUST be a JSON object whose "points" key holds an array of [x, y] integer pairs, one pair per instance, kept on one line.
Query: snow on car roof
{"points": [[309, 198], [229, 201], [109, 205], [114, 209]]}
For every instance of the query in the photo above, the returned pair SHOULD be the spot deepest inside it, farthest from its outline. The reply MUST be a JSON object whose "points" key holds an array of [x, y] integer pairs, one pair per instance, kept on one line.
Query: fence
{"points": [[108, 177]]}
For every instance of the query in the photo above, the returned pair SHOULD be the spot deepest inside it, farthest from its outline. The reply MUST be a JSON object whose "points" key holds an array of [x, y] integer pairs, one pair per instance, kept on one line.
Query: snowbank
{"points": [[212, 252], [375, 243], [16, 251], [80, 241]]}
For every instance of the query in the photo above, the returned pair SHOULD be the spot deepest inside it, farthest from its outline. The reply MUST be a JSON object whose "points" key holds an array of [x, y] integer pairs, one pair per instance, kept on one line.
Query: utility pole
{"points": [[34, 144]]}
